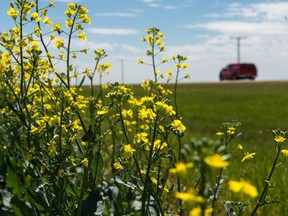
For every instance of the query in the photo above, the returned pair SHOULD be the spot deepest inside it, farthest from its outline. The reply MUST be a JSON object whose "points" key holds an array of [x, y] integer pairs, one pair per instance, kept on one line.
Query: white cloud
{"points": [[92, 45], [272, 11], [118, 14], [158, 4], [131, 49], [261, 11], [241, 27], [113, 31]]}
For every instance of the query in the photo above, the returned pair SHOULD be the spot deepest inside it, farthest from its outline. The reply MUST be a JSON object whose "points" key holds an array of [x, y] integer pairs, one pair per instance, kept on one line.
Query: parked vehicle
{"points": [[238, 71]]}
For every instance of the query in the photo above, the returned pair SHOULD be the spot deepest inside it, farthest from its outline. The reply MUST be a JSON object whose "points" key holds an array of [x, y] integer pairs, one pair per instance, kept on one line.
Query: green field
{"points": [[260, 106]]}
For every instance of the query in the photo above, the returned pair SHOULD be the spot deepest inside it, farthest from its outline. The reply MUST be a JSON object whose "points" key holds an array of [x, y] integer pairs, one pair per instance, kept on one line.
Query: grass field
{"points": [[260, 107]]}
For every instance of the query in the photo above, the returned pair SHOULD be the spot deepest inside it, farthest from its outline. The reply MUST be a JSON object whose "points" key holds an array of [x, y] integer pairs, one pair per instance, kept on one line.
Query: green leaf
{"points": [[13, 181], [20, 208], [81, 83], [128, 184], [37, 199]]}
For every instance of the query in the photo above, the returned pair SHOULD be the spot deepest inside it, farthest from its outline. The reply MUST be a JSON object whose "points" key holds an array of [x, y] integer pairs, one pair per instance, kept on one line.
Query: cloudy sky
{"points": [[204, 30]]}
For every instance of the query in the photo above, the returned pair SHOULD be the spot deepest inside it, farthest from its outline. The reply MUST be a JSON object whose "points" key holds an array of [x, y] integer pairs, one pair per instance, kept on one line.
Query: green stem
{"points": [[146, 184], [216, 189], [175, 93], [265, 190], [178, 178], [68, 50], [83, 189], [153, 60]]}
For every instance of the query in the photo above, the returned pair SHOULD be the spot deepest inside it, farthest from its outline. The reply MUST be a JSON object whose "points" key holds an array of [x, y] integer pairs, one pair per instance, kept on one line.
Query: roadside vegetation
{"points": [[114, 149]]}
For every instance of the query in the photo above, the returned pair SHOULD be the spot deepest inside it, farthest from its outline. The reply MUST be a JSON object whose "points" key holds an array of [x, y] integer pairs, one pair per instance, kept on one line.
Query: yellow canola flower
{"points": [[158, 144], [189, 197], [118, 166], [35, 16], [128, 151], [84, 18], [187, 76], [69, 23], [231, 130], [57, 27], [239, 146], [47, 21], [51, 4], [142, 137], [220, 133], [279, 139], [72, 5], [70, 12], [85, 162], [103, 110], [285, 152], [155, 181], [248, 155], [197, 211], [13, 13], [243, 186], [178, 125], [216, 160], [181, 168], [58, 43]]}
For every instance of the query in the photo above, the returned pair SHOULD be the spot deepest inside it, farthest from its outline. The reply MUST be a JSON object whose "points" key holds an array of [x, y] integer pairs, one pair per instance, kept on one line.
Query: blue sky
{"points": [[202, 30]]}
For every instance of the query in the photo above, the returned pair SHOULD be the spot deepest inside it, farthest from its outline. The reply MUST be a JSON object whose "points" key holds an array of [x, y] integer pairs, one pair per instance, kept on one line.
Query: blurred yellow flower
{"points": [[181, 168], [285, 152], [128, 151], [197, 211], [85, 162], [239, 146], [118, 166], [220, 133], [216, 160], [189, 197], [231, 130], [103, 110], [178, 125], [243, 186]]}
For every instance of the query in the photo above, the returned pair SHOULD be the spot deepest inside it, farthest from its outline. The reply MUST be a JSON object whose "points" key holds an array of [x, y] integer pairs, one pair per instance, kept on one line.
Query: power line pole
{"points": [[122, 70], [238, 46]]}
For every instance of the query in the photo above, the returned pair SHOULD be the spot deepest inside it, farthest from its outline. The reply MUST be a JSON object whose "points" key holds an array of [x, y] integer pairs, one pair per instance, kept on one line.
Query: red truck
{"points": [[238, 71]]}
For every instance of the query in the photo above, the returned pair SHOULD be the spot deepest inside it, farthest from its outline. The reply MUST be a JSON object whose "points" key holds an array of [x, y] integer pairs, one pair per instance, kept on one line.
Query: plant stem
{"points": [[216, 189], [146, 184], [265, 190], [175, 93]]}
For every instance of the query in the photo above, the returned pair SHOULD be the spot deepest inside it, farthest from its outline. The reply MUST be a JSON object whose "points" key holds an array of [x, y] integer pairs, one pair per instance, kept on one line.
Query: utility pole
{"points": [[238, 46], [122, 70]]}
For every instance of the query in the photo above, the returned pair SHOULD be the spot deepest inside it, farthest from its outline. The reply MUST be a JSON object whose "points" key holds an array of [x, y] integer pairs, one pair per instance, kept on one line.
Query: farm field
{"points": [[260, 107]]}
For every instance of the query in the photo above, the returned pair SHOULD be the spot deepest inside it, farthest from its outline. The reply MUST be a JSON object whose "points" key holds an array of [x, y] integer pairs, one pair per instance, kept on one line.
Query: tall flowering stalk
{"points": [[279, 138]]}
